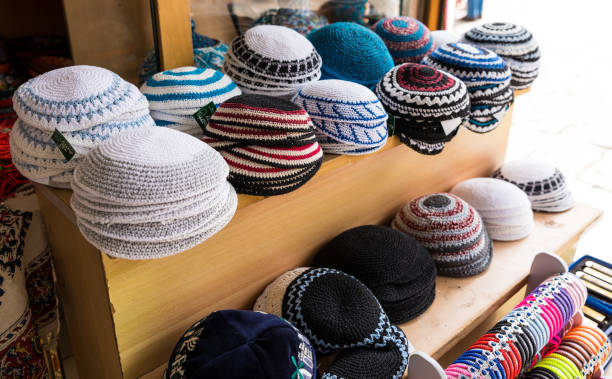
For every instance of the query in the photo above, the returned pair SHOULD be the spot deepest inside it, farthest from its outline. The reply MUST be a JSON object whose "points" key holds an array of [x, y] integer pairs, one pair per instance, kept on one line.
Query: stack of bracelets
{"points": [[581, 353], [511, 346]]}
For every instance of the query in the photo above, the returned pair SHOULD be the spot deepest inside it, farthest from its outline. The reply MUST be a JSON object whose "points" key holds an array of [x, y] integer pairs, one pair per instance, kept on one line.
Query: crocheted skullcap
{"points": [[395, 267], [450, 229], [302, 21], [504, 208], [515, 44], [407, 38], [428, 105], [333, 309], [269, 144], [241, 344], [74, 98], [184, 90], [543, 183], [348, 116], [343, 46]]}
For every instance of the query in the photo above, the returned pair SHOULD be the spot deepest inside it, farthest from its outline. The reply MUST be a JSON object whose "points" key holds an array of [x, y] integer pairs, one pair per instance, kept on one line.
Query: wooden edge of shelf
{"points": [[557, 231]]}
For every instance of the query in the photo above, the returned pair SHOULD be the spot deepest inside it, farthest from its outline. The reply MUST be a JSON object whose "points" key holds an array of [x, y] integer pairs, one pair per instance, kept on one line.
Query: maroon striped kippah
{"points": [[268, 143]]}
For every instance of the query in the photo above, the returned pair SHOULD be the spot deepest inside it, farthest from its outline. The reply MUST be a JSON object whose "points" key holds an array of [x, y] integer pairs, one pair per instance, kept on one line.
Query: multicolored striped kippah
{"points": [[269, 144], [451, 230], [407, 39]]}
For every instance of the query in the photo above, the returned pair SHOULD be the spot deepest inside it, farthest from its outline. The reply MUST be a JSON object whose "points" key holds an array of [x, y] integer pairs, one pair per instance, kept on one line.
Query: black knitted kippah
{"points": [[386, 362], [395, 267], [334, 310]]}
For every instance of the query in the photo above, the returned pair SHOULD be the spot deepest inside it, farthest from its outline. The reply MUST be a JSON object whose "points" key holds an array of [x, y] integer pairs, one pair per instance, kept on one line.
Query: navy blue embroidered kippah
{"points": [[242, 344]]}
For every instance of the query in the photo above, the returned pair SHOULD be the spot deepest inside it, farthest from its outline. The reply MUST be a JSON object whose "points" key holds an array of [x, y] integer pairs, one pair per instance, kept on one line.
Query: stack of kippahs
{"points": [[272, 60], [504, 208], [338, 312], [407, 38], [515, 44], [348, 117], [543, 183], [302, 21], [396, 268], [269, 144], [242, 344], [510, 347], [428, 105], [581, 354], [343, 47], [85, 105], [175, 95], [486, 76], [451, 230], [150, 193]]}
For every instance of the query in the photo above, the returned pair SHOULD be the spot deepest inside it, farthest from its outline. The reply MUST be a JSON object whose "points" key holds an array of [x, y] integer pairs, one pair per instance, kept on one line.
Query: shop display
{"points": [[504, 208], [272, 60], [543, 183], [397, 269], [309, 298], [407, 39], [151, 192], [343, 46], [302, 21], [486, 76], [83, 106], [268, 142], [176, 95], [515, 44], [512, 344], [427, 105], [241, 344], [596, 275], [451, 230], [581, 354], [348, 117], [442, 37]]}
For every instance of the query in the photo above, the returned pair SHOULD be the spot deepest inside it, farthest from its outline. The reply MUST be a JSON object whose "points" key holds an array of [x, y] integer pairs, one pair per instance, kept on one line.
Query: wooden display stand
{"points": [[124, 317]]}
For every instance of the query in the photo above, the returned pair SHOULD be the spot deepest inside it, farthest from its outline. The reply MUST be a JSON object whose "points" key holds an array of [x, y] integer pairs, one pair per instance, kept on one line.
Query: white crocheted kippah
{"points": [[488, 194], [74, 98], [278, 43]]}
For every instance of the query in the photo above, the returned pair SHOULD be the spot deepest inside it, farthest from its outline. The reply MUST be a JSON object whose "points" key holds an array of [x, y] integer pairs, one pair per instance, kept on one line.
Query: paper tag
{"points": [[391, 125], [63, 145], [204, 114], [450, 125], [500, 115]]}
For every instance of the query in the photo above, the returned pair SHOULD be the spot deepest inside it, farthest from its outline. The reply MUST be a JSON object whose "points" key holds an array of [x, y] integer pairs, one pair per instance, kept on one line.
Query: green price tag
{"points": [[204, 114], [63, 145], [391, 125]]}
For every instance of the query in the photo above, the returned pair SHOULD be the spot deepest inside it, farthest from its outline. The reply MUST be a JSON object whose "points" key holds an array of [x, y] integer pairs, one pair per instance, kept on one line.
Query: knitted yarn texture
{"points": [[428, 105], [396, 268], [272, 60], [302, 21], [451, 230], [348, 117], [504, 208], [515, 44], [268, 143], [150, 193], [86, 105], [407, 39], [486, 76], [175, 95], [336, 311], [545, 186], [343, 46]]}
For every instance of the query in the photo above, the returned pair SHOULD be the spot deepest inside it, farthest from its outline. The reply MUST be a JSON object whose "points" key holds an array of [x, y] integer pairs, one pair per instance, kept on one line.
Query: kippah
{"points": [[407, 38]]}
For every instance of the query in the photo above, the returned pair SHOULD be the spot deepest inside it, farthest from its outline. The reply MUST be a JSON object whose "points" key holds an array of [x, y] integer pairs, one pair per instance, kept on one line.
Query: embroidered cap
{"points": [[242, 344]]}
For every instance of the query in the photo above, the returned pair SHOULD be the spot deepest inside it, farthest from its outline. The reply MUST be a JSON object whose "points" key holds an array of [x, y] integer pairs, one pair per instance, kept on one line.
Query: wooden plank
{"points": [[478, 297], [273, 235], [174, 33], [84, 295], [116, 35]]}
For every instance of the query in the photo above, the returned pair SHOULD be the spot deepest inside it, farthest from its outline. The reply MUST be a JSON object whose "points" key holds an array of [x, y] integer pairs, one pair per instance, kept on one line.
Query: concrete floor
{"points": [[566, 118]]}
